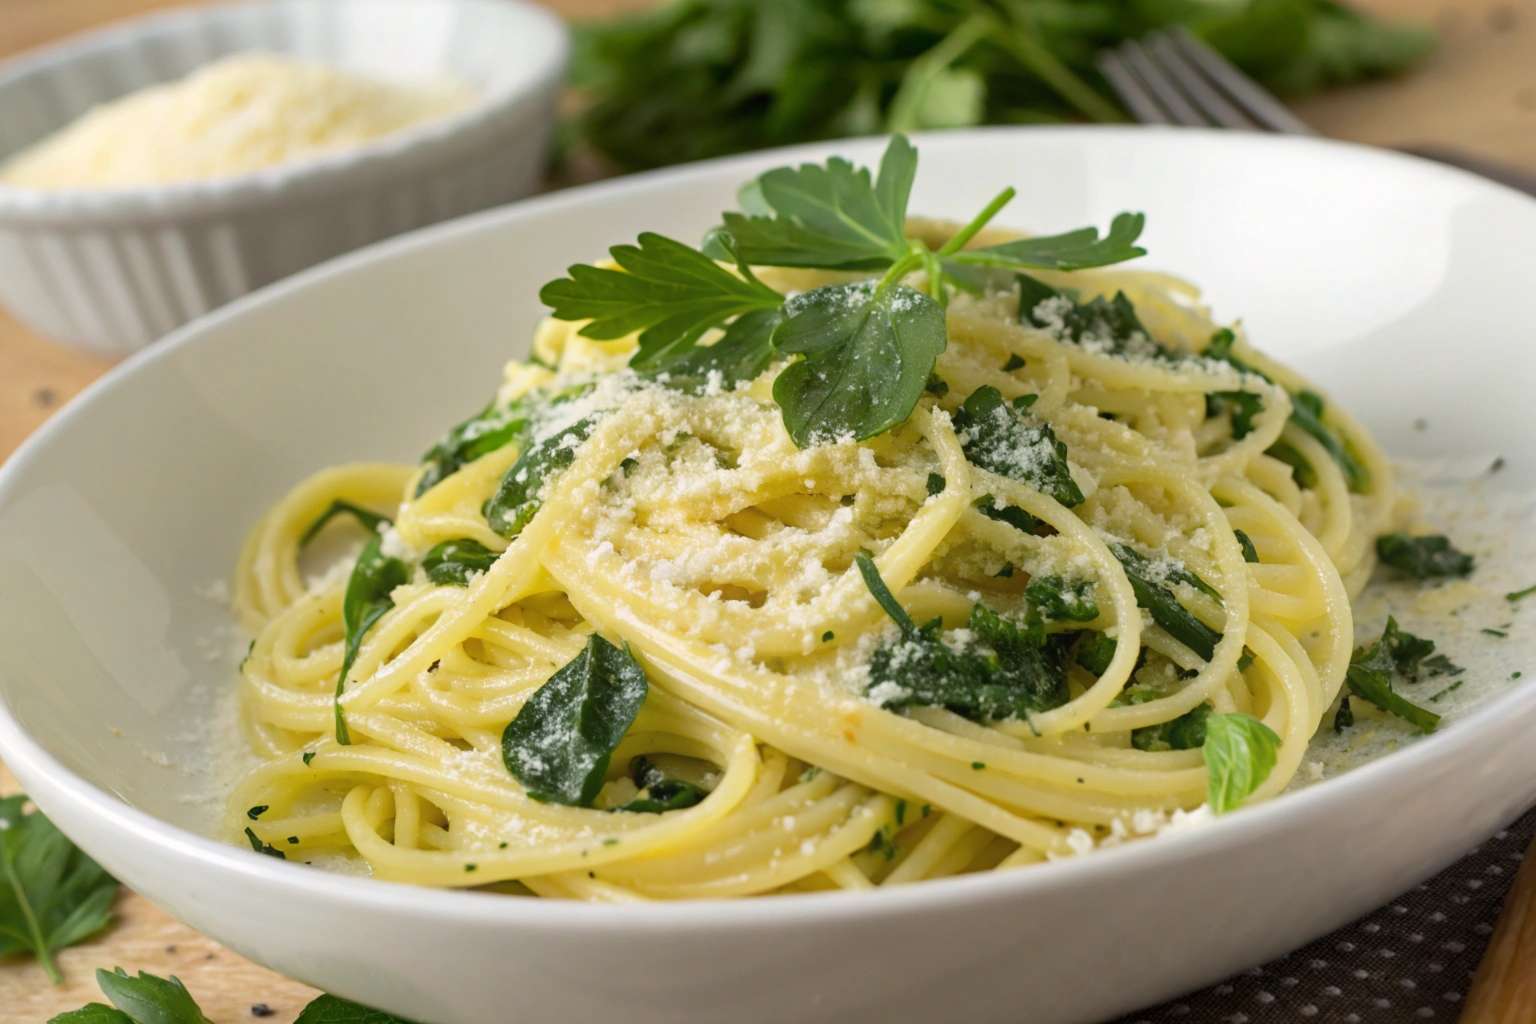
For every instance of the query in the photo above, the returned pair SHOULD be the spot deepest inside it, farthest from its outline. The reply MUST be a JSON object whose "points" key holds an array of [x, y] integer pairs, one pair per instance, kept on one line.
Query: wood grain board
{"points": [[1476, 93]]}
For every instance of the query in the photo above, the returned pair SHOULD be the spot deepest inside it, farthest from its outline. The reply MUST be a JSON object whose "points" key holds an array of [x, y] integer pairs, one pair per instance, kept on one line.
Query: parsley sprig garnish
{"points": [[860, 354]]}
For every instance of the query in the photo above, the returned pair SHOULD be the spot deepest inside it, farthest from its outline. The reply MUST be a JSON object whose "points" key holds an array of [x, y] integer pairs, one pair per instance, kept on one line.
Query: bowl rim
{"points": [[1459, 739], [306, 176]]}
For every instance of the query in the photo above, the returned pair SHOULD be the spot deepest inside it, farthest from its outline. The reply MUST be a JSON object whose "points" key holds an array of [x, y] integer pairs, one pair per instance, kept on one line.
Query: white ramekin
{"points": [[112, 270]]}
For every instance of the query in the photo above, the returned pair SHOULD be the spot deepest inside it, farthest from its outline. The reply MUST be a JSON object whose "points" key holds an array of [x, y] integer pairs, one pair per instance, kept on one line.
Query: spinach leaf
{"points": [[149, 999], [658, 791], [1102, 325], [1062, 599], [1183, 733], [828, 215], [1372, 669], [1014, 516], [1344, 717], [1239, 755], [868, 353], [1250, 553], [1245, 405], [1423, 557], [669, 292], [1003, 438], [331, 1010], [1011, 669], [374, 577], [452, 562], [520, 494], [51, 894], [1146, 581], [369, 520], [1095, 651], [492, 428], [1307, 413], [560, 743]]}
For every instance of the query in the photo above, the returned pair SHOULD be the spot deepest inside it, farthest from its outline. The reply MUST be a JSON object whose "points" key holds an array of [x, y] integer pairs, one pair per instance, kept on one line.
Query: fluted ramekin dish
{"points": [[111, 270]]}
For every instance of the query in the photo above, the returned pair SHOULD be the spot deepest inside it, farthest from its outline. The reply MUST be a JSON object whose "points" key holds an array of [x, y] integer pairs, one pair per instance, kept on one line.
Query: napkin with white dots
{"points": [[1412, 960]]}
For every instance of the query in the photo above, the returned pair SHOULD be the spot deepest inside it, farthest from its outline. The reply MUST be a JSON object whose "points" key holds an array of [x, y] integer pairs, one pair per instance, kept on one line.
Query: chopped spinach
{"points": [[369, 520], [1183, 733], [452, 562], [1002, 437], [1423, 557], [521, 492], [1372, 670], [374, 577]]}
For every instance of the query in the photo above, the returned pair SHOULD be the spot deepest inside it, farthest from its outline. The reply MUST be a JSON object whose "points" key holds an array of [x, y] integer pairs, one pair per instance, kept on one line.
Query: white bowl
{"points": [[1351, 263], [111, 270]]}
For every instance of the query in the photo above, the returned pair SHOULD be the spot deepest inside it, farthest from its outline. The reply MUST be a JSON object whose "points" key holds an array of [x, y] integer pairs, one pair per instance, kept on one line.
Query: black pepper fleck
{"points": [[44, 398], [262, 1010]]}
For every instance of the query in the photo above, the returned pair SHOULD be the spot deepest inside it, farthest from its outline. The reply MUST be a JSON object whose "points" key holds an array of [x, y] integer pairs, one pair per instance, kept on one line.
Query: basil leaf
{"points": [[667, 291], [1239, 755], [92, 1013], [51, 894], [1071, 250], [520, 494], [1165, 609], [1372, 669], [1001, 437], [369, 520], [478, 436], [148, 999], [829, 215], [1011, 670], [1183, 733], [451, 563], [331, 1010], [559, 744], [1307, 413], [658, 792], [374, 577], [1423, 557], [1063, 600], [868, 354]]}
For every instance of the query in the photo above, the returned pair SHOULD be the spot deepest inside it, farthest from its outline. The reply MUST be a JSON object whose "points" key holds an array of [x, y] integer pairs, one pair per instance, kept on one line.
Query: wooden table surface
{"points": [[1477, 92]]}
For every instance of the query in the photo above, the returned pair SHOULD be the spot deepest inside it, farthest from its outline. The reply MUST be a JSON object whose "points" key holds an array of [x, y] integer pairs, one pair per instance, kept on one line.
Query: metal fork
{"points": [[1171, 77]]}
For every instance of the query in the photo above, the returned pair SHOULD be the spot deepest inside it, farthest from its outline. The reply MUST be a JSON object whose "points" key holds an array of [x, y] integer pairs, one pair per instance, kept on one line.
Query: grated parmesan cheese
{"points": [[237, 115]]}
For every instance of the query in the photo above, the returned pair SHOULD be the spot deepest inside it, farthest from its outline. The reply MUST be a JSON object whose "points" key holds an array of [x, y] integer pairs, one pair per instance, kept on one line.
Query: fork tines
{"points": [[1173, 78]]}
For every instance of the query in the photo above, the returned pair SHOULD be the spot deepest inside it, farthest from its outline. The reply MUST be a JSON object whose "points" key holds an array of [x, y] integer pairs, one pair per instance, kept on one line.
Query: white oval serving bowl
{"points": [[1360, 267], [111, 270]]}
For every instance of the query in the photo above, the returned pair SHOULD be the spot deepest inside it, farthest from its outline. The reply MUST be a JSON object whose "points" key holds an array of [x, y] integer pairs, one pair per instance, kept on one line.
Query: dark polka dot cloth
{"points": [[1410, 961]]}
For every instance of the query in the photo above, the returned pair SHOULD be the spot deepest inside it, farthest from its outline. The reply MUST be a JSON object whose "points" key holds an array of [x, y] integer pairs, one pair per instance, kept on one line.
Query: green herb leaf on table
{"points": [[669, 292], [1003, 438], [369, 520], [367, 599], [1240, 753], [1373, 668], [868, 353], [51, 894], [520, 494], [92, 1013], [329, 1009], [560, 743], [1424, 557], [1010, 671], [452, 563], [149, 999]]}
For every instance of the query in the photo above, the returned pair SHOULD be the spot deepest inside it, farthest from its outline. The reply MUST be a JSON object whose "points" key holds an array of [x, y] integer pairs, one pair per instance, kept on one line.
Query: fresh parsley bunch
{"points": [[150, 999], [860, 353], [693, 79]]}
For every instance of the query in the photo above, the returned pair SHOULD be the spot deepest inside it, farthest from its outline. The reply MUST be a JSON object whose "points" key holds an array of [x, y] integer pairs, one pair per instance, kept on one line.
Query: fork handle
{"points": [[1504, 991], [1514, 177]]}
